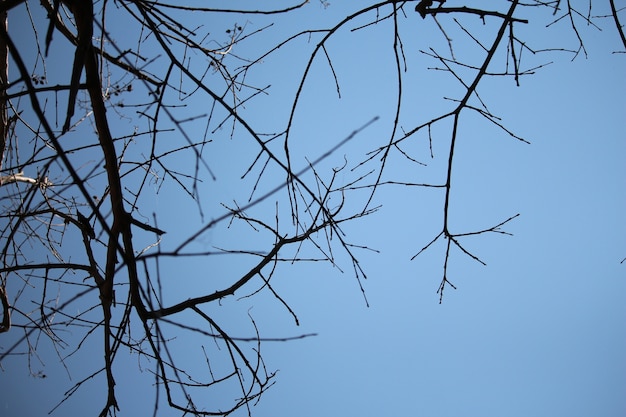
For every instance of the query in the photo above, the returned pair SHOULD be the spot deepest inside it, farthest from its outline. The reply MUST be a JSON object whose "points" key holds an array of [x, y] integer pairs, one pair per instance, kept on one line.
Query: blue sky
{"points": [[538, 331]]}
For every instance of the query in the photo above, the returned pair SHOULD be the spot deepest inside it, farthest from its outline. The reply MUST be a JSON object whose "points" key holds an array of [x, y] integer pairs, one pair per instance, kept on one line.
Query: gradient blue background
{"points": [[539, 331]]}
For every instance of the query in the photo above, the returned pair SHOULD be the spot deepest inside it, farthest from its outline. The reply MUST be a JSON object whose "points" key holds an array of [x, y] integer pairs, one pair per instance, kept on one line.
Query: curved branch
{"points": [[618, 25]]}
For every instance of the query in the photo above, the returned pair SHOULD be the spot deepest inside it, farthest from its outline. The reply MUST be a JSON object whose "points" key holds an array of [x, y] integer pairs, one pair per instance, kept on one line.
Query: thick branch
{"points": [[480, 12], [6, 310]]}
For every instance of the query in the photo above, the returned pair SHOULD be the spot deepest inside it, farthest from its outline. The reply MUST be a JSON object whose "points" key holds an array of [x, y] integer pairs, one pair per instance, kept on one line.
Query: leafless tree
{"points": [[106, 106]]}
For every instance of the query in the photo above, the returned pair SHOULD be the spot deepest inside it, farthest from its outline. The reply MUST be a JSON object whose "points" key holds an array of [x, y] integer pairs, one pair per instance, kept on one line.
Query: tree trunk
{"points": [[4, 76]]}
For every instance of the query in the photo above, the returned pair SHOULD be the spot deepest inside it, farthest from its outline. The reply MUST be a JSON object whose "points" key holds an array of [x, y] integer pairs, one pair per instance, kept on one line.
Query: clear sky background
{"points": [[538, 331]]}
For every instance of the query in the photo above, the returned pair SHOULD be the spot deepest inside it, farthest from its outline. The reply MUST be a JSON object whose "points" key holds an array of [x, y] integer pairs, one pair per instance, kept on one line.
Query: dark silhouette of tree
{"points": [[108, 105]]}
